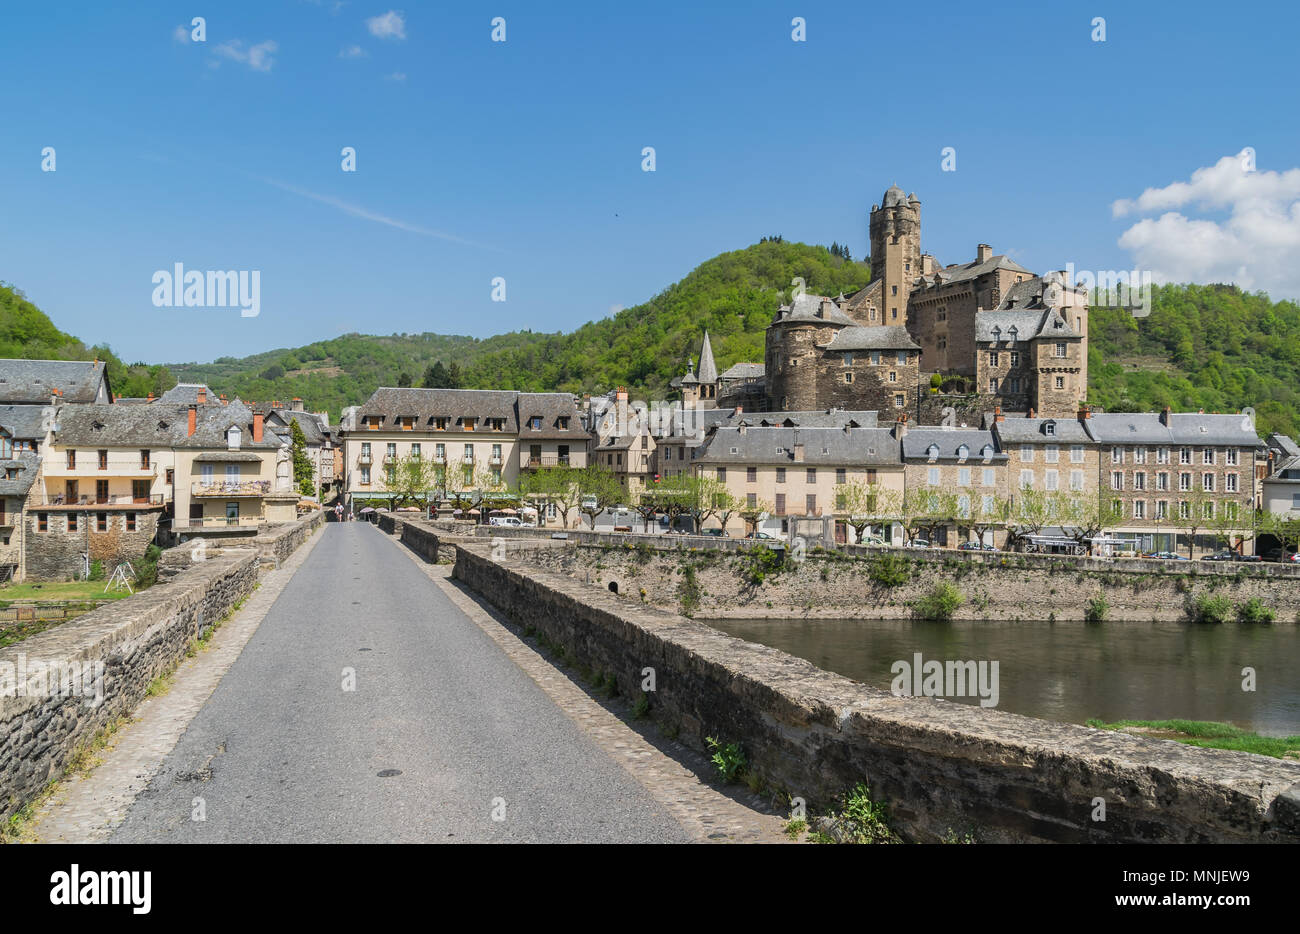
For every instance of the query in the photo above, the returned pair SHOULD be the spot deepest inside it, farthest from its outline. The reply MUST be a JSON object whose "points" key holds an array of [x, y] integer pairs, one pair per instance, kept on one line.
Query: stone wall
{"points": [[278, 542], [55, 554], [136, 639], [939, 766]]}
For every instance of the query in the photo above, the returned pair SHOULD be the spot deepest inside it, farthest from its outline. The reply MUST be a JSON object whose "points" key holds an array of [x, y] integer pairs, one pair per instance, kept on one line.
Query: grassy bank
{"points": [[1210, 734]]}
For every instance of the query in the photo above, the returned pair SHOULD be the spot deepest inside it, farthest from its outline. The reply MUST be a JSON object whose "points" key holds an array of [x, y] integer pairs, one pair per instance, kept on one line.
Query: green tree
{"points": [[557, 485], [598, 489], [304, 475]]}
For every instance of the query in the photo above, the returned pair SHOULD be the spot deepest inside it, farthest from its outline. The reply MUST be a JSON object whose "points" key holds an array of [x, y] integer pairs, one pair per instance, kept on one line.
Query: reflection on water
{"points": [[1073, 671]]}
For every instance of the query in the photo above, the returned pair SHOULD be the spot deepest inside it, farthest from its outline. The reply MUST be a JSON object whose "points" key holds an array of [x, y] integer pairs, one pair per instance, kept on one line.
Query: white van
{"points": [[511, 522]]}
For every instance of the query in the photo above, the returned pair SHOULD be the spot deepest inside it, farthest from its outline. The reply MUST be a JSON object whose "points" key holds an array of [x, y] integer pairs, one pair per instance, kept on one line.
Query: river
{"points": [[1072, 672]]}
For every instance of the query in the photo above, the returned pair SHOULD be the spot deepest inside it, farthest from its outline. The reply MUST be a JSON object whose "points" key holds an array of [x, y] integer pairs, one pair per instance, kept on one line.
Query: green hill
{"points": [[28, 333]]}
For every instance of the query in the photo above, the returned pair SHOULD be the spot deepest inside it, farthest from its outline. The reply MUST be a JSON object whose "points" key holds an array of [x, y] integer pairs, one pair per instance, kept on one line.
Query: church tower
{"points": [[895, 233]]}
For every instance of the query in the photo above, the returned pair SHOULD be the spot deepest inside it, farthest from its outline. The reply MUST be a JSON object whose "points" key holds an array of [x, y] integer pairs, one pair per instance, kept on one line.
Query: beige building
{"points": [[965, 462]]}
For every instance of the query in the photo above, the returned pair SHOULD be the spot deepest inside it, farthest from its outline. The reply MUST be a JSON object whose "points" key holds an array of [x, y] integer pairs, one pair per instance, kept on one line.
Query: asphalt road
{"points": [[441, 729]]}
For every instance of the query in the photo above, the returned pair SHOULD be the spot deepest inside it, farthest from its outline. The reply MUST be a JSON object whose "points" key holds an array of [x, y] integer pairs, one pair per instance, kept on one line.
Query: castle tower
{"points": [[895, 233]]}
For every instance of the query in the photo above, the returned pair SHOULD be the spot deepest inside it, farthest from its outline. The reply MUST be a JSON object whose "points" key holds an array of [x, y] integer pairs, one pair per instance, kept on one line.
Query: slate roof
{"points": [[515, 408], [24, 422], [158, 426], [823, 447], [916, 444], [30, 381], [806, 308], [742, 371], [1028, 325], [1185, 428], [964, 272], [311, 429], [188, 394], [1033, 430], [877, 338], [551, 406], [26, 464], [708, 371]]}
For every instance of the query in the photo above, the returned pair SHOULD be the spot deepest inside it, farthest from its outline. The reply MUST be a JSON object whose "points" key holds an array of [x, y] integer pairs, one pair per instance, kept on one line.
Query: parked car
{"points": [[1220, 556], [917, 543], [874, 540], [1277, 554], [717, 533], [976, 546], [763, 536], [511, 522], [1166, 555]]}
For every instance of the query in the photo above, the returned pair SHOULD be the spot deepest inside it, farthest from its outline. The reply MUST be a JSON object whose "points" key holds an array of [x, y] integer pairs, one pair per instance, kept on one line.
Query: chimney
{"points": [[1031, 412], [739, 409], [257, 427], [203, 396], [54, 396], [1164, 416], [297, 405], [620, 410], [997, 414], [983, 252], [900, 427], [194, 419], [222, 397], [1085, 413], [150, 398], [798, 452]]}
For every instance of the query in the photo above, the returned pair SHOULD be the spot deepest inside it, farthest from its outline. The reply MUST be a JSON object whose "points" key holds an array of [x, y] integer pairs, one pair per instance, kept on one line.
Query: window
{"points": [[898, 400], [780, 475], [993, 384], [101, 522], [893, 376], [1230, 511], [841, 475], [103, 460], [848, 359], [811, 475], [170, 476], [751, 474], [1184, 509], [1139, 509], [779, 506], [1060, 351], [963, 452], [932, 476], [848, 377], [751, 500], [1184, 455], [1116, 454], [469, 454], [496, 454], [987, 502], [1162, 509], [72, 459], [875, 358], [1207, 456], [42, 522], [130, 522], [990, 477], [1184, 482], [722, 474], [1015, 359], [1207, 482], [1139, 455], [1076, 480], [1162, 455], [468, 423], [1051, 454], [72, 522], [1139, 480], [1162, 481], [1026, 454], [993, 358], [1209, 510], [1076, 454], [1230, 483], [415, 452], [440, 452], [535, 423], [810, 504], [1231, 457], [1051, 480], [963, 476], [365, 475], [391, 452], [1117, 479], [1060, 382], [1026, 479]]}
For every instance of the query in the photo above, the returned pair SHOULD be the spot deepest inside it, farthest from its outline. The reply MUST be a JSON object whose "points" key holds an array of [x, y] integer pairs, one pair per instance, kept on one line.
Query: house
{"points": [[964, 462], [32, 382]]}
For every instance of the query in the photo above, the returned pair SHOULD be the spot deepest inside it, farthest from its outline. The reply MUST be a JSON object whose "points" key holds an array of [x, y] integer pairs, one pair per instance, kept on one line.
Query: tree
{"points": [[726, 504], [864, 505], [455, 378], [556, 485], [473, 487], [435, 376], [1196, 512], [303, 472], [412, 479], [701, 495], [404, 380], [932, 509], [1082, 516], [754, 513], [599, 489], [1030, 512]]}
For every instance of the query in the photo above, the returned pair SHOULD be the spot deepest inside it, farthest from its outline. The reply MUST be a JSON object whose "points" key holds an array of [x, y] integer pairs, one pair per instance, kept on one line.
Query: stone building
{"points": [[33, 382], [962, 461]]}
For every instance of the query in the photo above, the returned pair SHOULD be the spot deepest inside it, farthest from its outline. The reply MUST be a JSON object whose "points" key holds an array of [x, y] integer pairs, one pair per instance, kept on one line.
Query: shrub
{"points": [[689, 591], [862, 820], [940, 603], [1208, 608], [727, 759], [96, 571], [1096, 610], [889, 570], [1254, 611], [146, 570], [763, 561]]}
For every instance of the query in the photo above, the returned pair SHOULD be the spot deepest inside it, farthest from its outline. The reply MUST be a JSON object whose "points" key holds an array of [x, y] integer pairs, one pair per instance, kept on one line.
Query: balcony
{"points": [[222, 522], [364, 460], [90, 500], [529, 461], [228, 488]]}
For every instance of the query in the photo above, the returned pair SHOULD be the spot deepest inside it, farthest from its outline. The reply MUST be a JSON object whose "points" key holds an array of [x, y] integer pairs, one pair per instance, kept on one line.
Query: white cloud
{"points": [[615, 309], [353, 51], [1256, 246], [181, 34], [257, 57], [396, 76], [392, 25]]}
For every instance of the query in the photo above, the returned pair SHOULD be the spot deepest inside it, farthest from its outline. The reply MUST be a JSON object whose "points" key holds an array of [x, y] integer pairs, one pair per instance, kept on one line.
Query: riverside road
{"points": [[442, 738]]}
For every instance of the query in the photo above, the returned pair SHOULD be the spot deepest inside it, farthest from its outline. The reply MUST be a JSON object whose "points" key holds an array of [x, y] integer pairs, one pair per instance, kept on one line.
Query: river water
{"points": [[1073, 671]]}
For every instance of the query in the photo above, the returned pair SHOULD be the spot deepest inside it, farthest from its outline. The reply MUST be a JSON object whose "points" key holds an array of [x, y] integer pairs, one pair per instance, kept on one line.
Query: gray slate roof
{"points": [[916, 444], [159, 425], [1185, 428], [708, 371], [24, 422], [1028, 325], [807, 308], [514, 407], [823, 447], [30, 381], [1033, 430], [742, 371], [188, 394], [310, 425], [964, 272], [877, 338], [19, 486]]}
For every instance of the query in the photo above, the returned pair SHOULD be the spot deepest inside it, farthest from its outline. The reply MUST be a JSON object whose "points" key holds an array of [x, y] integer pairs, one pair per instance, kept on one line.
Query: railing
{"points": [[230, 488], [529, 461], [364, 460], [112, 499], [222, 522]]}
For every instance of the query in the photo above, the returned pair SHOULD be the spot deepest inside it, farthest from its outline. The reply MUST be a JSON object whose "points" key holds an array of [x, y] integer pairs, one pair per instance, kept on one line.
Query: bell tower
{"points": [[895, 233]]}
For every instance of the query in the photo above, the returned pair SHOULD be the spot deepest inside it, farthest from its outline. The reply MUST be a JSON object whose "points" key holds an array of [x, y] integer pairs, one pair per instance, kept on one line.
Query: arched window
{"points": [[932, 451]]}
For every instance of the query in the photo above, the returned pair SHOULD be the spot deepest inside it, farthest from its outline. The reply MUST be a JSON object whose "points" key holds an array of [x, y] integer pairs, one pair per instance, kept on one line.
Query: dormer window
{"points": [[932, 452], [987, 452], [233, 437], [963, 452], [1049, 428], [535, 423]]}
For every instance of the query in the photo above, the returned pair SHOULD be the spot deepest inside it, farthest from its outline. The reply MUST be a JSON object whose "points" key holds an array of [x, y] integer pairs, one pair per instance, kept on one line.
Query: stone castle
{"points": [[993, 331]]}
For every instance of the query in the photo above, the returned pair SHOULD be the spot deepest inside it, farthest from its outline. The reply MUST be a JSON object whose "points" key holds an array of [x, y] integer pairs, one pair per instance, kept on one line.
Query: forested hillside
{"points": [[27, 332], [1203, 346]]}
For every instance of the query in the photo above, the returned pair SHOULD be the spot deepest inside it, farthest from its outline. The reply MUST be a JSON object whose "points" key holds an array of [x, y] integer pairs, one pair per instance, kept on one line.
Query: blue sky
{"points": [[523, 159]]}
